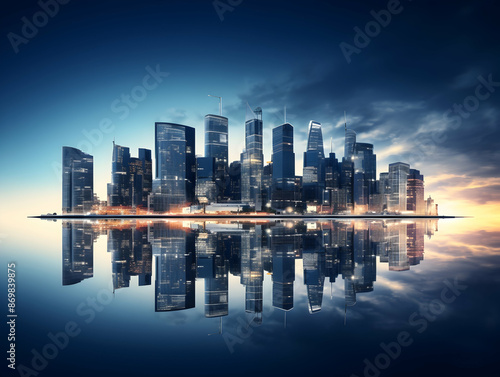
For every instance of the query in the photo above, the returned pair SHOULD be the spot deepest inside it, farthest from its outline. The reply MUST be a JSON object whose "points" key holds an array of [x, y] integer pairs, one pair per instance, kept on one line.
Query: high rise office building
{"points": [[350, 143], [147, 174], [206, 189], [77, 181], [175, 166], [283, 157], [252, 161], [216, 146], [234, 186], [131, 178], [119, 188], [365, 173], [415, 192], [313, 172], [398, 179]]}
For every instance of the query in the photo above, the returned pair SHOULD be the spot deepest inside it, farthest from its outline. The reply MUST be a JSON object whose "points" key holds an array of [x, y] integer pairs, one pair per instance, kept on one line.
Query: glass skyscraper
{"points": [[206, 190], [175, 166], [350, 142], [365, 173], [131, 178], [415, 192], [216, 146], [398, 179], [313, 173], [77, 181], [283, 158], [252, 161]]}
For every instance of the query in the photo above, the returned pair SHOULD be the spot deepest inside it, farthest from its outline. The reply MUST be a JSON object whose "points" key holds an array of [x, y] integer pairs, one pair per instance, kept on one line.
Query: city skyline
{"points": [[183, 179], [412, 87]]}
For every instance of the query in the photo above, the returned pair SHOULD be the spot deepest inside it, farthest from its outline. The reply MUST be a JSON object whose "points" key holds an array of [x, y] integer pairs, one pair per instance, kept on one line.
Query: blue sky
{"points": [[397, 90]]}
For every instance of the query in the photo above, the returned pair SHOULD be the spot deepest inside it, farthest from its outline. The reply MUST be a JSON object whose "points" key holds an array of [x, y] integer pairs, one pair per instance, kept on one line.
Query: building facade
{"points": [[175, 171], [77, 181], [216, 146], [252, 161]]}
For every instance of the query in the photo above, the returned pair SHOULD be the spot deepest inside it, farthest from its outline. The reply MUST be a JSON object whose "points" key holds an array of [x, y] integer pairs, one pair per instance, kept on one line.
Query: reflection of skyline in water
{"points": [[212, 251]]}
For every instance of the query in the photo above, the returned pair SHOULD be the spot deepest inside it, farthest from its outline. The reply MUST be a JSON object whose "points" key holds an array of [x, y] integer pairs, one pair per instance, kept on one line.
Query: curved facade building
{"points": [[175, 166], [350, 143]]}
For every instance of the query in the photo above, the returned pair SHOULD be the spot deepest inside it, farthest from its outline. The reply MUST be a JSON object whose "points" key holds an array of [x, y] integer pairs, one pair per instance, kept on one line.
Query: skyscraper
{"points": [[131, 178], [119, 190], [147, 171], [350, 142], [313, 172], [415, 192], [175, 166], [365, 173], [252, 161], [206, 189], [234, 186], [77, 181], [283, 182], [398, 179], [216, 146]]}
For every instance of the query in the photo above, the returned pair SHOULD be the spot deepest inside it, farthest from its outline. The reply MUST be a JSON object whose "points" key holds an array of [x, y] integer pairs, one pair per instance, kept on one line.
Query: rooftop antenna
{"points": [[220, 103], [345, 120], [285, 113], [331, 144]]}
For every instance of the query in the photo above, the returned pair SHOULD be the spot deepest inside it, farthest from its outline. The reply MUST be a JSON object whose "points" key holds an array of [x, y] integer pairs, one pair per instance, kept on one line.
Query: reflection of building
{"points": [[252, 270], [175, 267], [283, 244], [216, 146], [175, 166], [131, 255], [77, 181], [415, 244], [396, 244], [252, 161], [212, 266], [77, 251], [313, 259], [212, 250]]}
